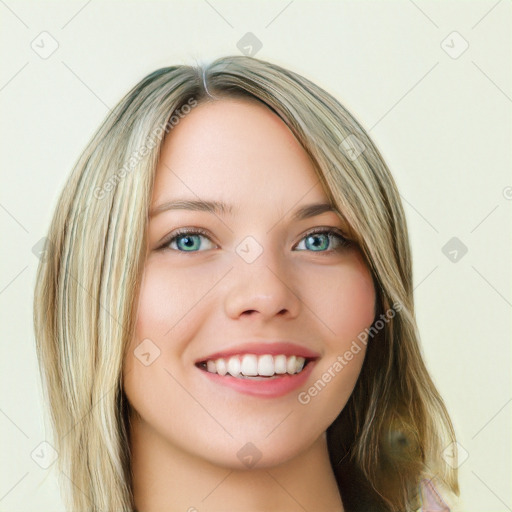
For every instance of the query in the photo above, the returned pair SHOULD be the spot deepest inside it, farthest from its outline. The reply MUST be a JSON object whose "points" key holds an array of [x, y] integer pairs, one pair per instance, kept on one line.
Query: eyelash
{"points": [[343, 241]]}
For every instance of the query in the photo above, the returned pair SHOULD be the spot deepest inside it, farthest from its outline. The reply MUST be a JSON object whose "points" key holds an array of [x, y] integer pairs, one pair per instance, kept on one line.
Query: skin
{"points": [[186, 431]]}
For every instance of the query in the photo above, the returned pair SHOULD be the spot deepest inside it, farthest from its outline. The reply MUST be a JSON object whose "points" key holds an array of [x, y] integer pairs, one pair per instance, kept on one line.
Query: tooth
{"points": [[221, 366], [249, 366], [280, 364], [234, 366], [266, 365], [291, 365]]}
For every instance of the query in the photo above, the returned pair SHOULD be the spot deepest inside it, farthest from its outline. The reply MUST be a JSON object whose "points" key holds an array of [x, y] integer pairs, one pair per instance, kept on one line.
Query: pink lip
{"points": [[260, 348], [267, 387]]}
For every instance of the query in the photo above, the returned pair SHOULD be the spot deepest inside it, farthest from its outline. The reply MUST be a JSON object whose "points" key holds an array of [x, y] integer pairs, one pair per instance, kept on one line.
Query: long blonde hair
{"points": [[394, 428]]}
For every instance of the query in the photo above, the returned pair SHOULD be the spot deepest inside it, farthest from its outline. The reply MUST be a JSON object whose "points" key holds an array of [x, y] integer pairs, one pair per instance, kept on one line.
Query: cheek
{"points": [[342, 298], [354, 302], [164, 300], [348, 311], [168, 297], [156, 306], [350, 306], [170, 310], [165, 319]]}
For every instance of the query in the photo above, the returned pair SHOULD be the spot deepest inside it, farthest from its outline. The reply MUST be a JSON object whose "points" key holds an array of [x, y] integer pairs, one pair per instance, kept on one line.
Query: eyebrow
{"points": [[219, 208]]}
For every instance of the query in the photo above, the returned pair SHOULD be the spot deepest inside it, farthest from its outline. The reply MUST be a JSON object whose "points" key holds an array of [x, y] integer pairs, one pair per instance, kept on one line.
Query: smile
{"points": [[254, 366], [264, 375]]}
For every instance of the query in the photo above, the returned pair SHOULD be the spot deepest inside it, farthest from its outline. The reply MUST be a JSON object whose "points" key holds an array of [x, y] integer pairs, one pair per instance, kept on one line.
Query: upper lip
{"points": [[287, 348]]}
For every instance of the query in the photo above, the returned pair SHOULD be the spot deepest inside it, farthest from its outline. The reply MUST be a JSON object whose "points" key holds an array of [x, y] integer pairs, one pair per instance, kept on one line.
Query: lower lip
{"points": [[270, 388]]}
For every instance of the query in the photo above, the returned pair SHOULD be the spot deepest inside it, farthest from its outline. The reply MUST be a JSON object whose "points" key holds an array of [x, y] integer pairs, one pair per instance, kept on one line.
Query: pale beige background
{"points": [[443, 124]]}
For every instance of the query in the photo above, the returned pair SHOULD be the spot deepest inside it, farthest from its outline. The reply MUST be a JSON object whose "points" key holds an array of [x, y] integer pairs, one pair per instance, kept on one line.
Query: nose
{"points": [[258, 290]]}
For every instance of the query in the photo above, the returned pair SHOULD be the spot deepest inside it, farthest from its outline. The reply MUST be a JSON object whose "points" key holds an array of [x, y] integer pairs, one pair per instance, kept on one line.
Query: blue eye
{"points": [[187, 240], [318, 240]]}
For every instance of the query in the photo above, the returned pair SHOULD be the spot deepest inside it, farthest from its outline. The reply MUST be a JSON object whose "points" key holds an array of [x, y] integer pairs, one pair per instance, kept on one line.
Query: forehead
{"points": [[235, 149]]}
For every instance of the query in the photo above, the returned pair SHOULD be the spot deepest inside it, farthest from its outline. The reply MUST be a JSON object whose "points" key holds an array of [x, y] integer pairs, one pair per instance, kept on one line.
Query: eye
{"points": [[185, 240], [319, 239]]}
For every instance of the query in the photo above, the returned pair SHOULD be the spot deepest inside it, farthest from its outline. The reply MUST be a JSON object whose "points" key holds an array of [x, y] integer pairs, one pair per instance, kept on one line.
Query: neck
{"points": [[165, 478]]}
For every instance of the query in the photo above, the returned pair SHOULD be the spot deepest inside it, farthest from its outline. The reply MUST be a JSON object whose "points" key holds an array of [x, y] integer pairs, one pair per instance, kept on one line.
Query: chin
{"points": [[249, 455]]}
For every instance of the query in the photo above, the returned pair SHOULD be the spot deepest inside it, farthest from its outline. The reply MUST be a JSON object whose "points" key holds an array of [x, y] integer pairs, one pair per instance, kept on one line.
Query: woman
{"points": [[225, 319]]}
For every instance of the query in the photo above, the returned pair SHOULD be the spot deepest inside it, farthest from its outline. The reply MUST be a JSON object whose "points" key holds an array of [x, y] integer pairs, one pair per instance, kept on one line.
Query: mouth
{"points": [[256, 367], [264, 376]]}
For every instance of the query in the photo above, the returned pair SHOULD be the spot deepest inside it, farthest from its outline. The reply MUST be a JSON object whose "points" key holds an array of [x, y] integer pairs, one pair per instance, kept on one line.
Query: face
{"points": [[254, 276]]}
